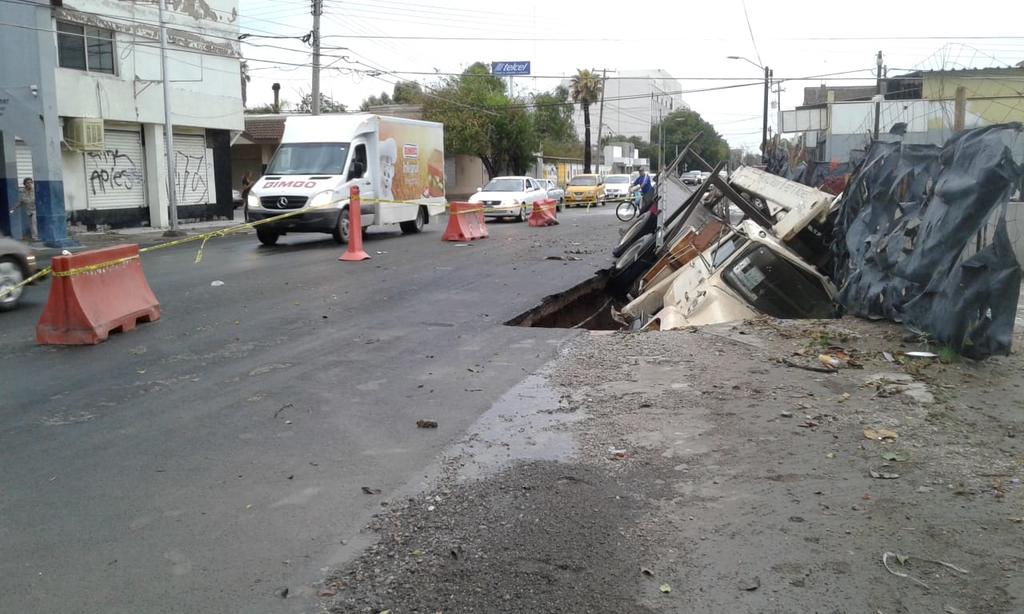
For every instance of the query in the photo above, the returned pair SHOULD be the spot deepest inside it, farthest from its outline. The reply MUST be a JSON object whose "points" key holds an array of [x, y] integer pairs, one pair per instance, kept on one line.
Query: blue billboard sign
{"points": [[510, 69]]}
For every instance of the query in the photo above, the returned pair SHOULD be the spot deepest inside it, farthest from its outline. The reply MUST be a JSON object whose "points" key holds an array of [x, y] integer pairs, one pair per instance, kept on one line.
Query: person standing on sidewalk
{"points": [[27, 201]]}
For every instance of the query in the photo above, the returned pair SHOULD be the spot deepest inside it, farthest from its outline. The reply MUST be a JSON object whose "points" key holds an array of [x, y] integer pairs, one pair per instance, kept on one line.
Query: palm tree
{"points": [[244, 70], [585, 89]]}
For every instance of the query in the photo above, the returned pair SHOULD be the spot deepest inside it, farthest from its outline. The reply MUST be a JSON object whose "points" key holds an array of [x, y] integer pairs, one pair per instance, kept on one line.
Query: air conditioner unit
{"points": [[84, 133]]}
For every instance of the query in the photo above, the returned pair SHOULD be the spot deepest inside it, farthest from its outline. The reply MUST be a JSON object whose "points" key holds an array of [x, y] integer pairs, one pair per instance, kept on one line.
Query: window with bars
{"points": [[85, 48]]}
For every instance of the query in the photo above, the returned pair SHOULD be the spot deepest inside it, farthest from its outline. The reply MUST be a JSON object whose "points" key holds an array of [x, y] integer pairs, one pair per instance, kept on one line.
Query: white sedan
{"points": [[510, 197]]}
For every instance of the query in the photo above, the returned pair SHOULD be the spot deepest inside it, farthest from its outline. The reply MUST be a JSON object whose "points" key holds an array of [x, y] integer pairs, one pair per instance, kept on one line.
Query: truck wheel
{"points": [[340, 232], [10, 275], [413, 226], [267, 236]]}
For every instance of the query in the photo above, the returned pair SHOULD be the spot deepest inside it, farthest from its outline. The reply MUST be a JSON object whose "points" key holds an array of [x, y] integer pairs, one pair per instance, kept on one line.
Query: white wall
{"points": [[205, 81]]}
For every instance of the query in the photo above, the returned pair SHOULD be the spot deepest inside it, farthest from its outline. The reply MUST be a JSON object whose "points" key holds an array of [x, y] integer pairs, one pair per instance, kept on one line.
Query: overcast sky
{"points": [[690, 40]]}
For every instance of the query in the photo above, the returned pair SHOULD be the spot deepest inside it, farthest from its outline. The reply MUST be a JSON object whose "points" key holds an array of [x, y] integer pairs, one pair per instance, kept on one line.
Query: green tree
{"points": [[585, 89], [407, 92], [266, 108], [481, 120], [553, 118], [327, 104], [374, 101], [681, 126]]}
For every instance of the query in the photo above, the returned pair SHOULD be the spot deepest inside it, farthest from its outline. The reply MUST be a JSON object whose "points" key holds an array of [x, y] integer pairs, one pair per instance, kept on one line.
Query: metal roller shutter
{"points": [[23, 155], [192, 170], [115, 177]]}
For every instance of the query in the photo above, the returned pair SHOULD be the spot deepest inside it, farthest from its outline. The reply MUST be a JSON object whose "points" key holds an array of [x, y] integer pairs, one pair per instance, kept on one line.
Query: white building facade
{"points": [[109, 102], [635, 100]]}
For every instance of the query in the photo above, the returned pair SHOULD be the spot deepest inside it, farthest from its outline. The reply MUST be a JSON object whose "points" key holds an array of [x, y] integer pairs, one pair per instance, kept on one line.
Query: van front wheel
{"points": [[267, 236], [413, 226], [340, 232]]}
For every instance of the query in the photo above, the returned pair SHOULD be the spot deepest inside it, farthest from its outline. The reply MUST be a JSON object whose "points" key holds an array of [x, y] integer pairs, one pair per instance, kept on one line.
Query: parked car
{"points": [[692, 177], [585, 190], [616, 188], [510, 196], [17, 263], [555, 193]]}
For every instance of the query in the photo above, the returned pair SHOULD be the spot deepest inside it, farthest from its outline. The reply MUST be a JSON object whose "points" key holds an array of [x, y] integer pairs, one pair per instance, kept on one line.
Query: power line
{"points": [[750, 29]]}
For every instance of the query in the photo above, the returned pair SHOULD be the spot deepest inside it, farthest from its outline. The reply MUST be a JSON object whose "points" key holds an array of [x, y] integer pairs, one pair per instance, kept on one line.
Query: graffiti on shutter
{"points": [[115, 176], [191, 179]]}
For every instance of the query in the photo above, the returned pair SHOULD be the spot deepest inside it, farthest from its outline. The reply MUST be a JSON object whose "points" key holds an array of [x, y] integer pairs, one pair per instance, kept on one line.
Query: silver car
{"points": [[17, 263], [555, 192]]}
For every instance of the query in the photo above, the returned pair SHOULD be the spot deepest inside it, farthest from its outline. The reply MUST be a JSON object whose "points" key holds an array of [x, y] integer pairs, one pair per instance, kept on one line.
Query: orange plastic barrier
{"points": [[465, 222], [354, 251], [544, 213], [95, 293]]}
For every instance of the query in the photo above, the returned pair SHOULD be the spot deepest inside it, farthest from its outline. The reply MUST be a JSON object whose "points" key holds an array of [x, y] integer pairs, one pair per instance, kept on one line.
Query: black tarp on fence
{"points": [[907, 244]]}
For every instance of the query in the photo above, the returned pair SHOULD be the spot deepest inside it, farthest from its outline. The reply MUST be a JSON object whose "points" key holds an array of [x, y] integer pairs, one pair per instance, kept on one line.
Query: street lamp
{"points": [[767, 86]]}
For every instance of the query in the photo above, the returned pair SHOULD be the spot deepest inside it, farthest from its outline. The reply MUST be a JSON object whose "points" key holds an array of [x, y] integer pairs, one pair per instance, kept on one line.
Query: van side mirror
{"points": [[479, 189], [357, 170]]}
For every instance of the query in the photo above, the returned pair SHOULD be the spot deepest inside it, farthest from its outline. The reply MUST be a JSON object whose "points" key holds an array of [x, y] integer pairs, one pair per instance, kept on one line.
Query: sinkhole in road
{"points": [[586, 305]]}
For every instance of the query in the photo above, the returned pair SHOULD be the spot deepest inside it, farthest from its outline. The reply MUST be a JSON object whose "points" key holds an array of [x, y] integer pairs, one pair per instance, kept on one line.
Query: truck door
{"points": [[359, 174]]}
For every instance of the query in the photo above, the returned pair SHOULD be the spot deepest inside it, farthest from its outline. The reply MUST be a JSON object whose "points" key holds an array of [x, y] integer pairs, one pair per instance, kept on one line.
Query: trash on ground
{"points": [[751, 584], [880, 434], [665, 588], [646, 572], [901, 560], [426, 424], [371, 491], [617, 454], [883, 473], [921, 354], [216, 283], [892, 384], [808, 364]]}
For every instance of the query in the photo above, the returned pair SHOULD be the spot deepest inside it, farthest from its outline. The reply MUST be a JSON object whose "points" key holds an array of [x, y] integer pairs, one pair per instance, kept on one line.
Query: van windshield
{"points": [[309, 159]]}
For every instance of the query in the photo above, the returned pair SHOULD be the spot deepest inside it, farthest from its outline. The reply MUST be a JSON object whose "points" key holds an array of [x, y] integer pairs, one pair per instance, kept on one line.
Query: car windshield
{"points": [[583, 181], [616, 179], [778, 288], [504, 185], [309, 159]]}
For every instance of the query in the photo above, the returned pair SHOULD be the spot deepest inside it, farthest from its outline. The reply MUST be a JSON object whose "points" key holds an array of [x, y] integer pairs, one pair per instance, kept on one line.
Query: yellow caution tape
{"points": [[92, 268], [223, 232]]}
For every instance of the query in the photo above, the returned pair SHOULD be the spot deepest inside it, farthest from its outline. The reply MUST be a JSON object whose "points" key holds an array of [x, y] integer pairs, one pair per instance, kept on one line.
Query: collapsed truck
{"points": [[698, 266]]}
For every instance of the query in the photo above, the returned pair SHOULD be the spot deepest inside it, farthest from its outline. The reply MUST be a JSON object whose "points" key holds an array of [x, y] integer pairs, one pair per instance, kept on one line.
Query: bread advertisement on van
{"points": [[412, 161]]}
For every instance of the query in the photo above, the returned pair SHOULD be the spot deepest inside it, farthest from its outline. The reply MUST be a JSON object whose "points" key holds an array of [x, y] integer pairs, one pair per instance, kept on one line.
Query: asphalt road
{"points": [[200, 463]]}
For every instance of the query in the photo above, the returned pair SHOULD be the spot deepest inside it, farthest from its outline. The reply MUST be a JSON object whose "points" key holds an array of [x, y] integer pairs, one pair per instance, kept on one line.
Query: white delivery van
{"points": [[399, 161]]}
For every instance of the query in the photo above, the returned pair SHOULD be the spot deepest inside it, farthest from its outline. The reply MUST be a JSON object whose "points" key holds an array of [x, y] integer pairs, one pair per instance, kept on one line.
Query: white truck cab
{"points": [[397, 163]]}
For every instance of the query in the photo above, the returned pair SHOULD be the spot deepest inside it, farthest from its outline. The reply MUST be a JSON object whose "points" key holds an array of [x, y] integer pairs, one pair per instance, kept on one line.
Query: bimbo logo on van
{"points": [[290, 184], [410, 152]]}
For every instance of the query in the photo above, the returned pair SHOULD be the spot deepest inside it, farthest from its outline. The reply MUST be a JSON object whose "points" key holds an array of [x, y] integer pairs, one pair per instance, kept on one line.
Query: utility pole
{"points": [[315, 102], [600, 119], [172, 200], [764, 125], [878, 92], [778, 106]]}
